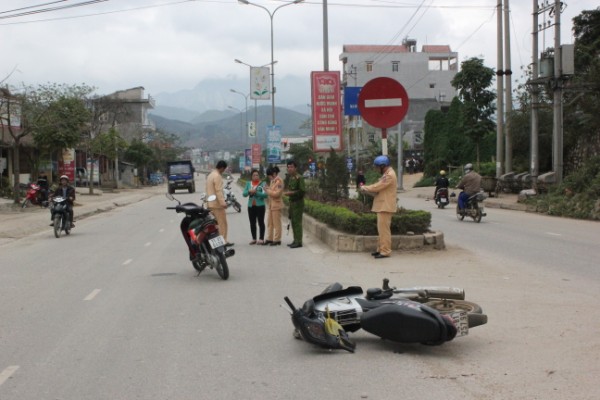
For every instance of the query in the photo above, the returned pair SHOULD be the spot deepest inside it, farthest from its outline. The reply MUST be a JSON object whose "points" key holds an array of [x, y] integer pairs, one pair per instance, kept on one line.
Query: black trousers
{"points": [[257, 214]]}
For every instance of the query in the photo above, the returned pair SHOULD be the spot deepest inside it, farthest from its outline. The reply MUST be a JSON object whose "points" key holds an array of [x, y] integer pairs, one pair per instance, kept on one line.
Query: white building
{"points": [[426, 76]]}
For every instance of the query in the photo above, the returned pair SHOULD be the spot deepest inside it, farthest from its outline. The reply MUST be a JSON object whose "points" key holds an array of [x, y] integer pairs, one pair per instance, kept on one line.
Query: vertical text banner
{"points": [[273, 144], [67, 165], [256, 150], [248, 157], [260, 84], [326, 110]]}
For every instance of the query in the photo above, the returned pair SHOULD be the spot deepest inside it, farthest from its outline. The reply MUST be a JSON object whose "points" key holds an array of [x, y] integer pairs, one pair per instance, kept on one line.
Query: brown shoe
{"points": [[253, 242], [267, 242]]}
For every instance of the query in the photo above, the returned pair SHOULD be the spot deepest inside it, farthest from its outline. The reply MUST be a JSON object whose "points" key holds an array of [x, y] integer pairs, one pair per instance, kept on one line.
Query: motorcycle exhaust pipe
{"points": [[229, 253]]}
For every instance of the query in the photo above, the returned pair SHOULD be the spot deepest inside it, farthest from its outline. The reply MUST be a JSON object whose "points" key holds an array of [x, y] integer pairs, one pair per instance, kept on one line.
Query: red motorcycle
{"points": [[35, 196]]}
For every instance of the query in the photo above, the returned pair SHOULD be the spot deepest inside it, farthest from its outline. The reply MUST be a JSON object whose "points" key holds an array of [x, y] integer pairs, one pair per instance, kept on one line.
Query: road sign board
{"points": [[383, 102]]}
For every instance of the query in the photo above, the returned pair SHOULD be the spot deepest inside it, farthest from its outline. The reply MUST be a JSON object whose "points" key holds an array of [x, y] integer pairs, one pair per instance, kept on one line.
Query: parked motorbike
{"points": [[428, 315], [230, 199], [35, 196], [60, 216], [207, 246], [473, 208], [441, 197]]}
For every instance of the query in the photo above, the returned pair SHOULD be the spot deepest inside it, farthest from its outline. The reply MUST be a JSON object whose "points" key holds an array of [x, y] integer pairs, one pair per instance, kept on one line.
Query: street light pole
{"points": [[245, 109], [255, 105], [241, 118], [271, 15]]}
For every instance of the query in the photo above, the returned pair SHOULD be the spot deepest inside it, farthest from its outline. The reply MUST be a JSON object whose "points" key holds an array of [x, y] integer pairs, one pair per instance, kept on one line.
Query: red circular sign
{"points": [[383, 102]]}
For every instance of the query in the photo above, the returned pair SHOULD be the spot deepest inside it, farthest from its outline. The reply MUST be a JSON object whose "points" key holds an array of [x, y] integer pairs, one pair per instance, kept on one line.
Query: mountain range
{"points": [[225, 130], [210, 116]]}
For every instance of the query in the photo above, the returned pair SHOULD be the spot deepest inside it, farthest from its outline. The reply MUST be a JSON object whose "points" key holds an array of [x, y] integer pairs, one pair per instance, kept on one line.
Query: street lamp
{"points": [[271, 15], [245, 96], [255, 106]]}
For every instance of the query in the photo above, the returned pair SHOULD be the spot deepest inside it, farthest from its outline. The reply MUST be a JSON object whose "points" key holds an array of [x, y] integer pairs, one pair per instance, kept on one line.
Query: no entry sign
{"points": [[383, 102]]}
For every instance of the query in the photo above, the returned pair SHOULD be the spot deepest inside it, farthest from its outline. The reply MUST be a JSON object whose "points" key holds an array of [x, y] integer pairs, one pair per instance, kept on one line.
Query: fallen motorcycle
{"points": [[201, 233], [473, 208], [428, 315]]}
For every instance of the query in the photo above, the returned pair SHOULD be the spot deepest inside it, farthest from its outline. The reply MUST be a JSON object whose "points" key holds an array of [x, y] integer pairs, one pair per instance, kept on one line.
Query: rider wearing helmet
{"points": [[470, 185], [441, 182], [384, 204], [68, 192]]}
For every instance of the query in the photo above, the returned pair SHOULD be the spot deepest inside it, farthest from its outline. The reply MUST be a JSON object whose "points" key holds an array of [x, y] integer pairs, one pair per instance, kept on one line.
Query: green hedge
{"points": [[347, 221]]}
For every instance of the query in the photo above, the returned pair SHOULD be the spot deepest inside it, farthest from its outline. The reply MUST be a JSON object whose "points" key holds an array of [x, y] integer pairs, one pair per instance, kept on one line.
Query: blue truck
{"points": [[181, 176]]}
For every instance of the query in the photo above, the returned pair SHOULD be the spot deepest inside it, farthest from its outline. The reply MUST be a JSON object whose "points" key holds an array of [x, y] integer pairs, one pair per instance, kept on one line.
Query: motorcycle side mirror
{"points": [[452, 194], [212, 197], [169, 196]]}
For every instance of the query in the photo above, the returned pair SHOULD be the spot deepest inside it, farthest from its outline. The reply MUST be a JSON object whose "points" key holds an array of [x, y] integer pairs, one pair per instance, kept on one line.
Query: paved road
{"points": [[115, 311]]}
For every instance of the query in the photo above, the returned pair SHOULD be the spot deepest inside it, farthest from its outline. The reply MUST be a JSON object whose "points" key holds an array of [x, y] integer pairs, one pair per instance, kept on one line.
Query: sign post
{"points": [[383, 103]]}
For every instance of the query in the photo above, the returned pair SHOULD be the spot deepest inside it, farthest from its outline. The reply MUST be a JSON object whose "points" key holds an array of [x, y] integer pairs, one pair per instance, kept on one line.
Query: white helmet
{"points": [[469, 167], [64, 177]]}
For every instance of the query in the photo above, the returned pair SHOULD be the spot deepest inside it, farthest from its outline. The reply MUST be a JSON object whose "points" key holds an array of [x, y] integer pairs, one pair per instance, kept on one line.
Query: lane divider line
{"points": [[92, 295], [129, 260], [7, 373], [148, 244], [161, 230], [553, 234]]}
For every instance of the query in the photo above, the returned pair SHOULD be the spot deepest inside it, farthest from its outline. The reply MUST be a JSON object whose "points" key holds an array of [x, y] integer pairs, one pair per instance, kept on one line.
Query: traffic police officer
{"points": [[295, 192], [384, 204]]}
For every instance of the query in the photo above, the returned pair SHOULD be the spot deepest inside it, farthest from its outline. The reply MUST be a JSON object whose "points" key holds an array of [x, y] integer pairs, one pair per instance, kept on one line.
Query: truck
{"points": [[181, 176]]}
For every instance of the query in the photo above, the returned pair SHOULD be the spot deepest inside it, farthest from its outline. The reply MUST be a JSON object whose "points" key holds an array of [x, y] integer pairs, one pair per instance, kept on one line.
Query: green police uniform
{"points": [[296, 185]]}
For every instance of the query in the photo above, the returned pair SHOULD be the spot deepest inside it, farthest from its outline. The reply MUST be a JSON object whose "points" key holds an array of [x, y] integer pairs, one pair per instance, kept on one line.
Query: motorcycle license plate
{"points": [[217, 242], [444, 200], [461, 321]]}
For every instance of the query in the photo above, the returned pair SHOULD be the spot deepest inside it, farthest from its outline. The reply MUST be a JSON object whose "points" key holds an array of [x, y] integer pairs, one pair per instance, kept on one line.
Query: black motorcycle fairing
{"points": [[349, 291], [408, 322], [378, 294]]}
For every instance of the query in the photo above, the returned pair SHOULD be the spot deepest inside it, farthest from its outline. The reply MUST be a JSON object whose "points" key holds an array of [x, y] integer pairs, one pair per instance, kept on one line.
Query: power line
{"points": [[44, 10]]}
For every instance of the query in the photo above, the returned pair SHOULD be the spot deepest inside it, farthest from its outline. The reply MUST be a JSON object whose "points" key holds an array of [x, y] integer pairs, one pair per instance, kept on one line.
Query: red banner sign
{"points": [[326, 111]]}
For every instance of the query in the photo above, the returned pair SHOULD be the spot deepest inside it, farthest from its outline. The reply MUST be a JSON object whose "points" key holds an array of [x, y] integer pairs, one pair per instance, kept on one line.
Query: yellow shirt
{"points": [[385, 188]]}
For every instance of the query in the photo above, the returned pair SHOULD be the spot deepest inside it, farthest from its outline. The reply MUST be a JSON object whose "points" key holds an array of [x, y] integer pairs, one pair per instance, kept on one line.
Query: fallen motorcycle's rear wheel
{"points": [[474, 311]]}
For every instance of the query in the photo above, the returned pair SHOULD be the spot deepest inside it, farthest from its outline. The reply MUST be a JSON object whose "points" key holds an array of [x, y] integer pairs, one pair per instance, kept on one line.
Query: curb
{"points": [[344, 242]]}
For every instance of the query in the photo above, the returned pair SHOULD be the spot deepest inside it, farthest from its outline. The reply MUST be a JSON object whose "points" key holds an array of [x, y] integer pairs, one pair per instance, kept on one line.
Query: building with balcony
{"points": [[426, 75]]}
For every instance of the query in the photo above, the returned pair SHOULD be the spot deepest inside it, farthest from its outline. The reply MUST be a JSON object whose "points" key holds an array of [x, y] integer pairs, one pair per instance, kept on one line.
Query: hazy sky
{"points": [[171, 45]]}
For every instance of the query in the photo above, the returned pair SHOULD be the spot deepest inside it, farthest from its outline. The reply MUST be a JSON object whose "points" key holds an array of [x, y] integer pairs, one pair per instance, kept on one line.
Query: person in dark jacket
{"points": [[441, 182], [68, 192]]}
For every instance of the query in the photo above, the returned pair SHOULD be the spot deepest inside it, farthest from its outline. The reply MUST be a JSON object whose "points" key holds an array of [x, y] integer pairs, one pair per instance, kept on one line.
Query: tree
{"points": [[110, 144], [472, 83], [62, 124], [334, 182], [140, 154], [301, 153]]}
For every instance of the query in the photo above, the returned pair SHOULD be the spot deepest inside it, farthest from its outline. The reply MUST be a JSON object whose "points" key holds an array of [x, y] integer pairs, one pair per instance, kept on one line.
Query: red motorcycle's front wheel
{"points": [[26, 203], [222, 267]]}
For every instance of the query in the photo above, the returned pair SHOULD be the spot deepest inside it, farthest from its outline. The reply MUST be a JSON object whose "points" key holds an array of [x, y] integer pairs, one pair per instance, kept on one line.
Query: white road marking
{"points": [[553, 234], [127, 261], [7, 373], [92, 295], [383, 103], [161, 230], [148, 244]]}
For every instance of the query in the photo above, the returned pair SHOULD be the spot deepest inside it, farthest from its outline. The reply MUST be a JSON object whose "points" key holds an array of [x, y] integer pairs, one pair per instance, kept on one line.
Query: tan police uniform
{"points": [[385, 205], [214, 185], [275, 205]]}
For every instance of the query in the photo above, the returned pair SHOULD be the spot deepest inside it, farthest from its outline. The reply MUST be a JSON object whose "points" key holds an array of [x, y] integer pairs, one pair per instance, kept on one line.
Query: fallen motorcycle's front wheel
{"points": [[237, 206]]}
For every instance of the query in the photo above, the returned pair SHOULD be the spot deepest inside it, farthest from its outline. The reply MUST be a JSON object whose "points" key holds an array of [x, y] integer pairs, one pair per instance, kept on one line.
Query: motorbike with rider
{"points": [[67, 192], [440, 196], [471, 195]]}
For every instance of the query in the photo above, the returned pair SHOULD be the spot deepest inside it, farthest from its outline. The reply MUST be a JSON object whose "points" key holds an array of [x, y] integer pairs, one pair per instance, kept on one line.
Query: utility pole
{"points": [[535, 100], [508, 89], [499, 93], [557, 131]]}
